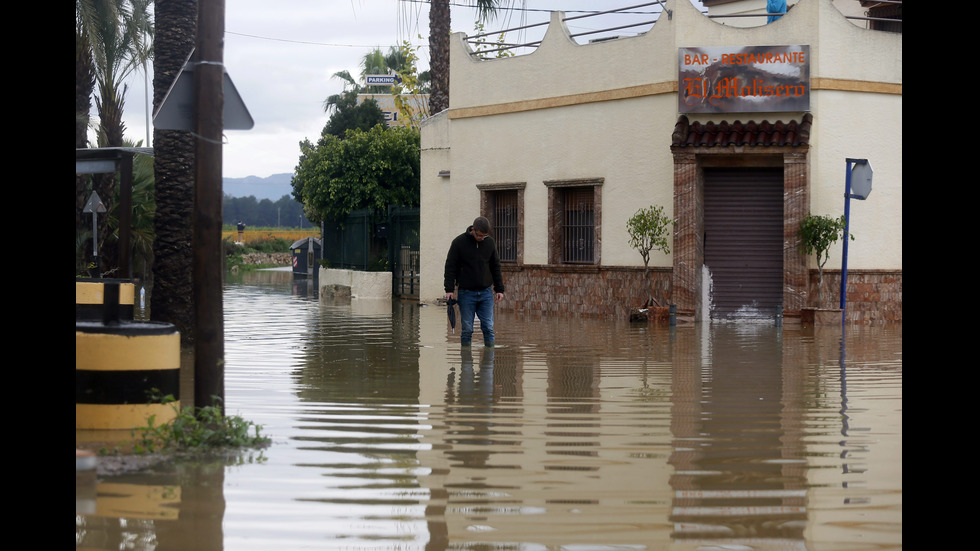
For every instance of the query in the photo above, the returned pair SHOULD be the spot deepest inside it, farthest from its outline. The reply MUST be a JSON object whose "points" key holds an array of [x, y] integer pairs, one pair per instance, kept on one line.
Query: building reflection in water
{"points": [[738, 458]]}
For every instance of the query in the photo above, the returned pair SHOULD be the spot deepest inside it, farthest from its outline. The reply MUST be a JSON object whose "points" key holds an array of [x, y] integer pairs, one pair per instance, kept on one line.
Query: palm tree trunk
{"points": [[174, 168], [439, 29]]}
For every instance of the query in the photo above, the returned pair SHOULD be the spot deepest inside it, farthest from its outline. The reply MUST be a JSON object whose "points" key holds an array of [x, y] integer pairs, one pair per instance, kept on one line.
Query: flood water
{"points": [[571, 435]]}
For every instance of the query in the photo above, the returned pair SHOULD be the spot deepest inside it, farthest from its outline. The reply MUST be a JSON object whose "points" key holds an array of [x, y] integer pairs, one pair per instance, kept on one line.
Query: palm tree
{"points": [[439, 31], [111, 39], [397, 60], [118, 34], [171, 299], [350, 86], [84, 80], [84, 85], [374, 64]]}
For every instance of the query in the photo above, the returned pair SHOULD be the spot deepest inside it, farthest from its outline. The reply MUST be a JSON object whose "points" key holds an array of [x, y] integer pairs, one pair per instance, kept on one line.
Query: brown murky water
{"points": [[572, 435]]}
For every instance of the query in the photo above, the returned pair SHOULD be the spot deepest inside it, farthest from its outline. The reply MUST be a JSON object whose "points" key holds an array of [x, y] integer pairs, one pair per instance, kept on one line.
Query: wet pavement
{"points": [[571, 434]]}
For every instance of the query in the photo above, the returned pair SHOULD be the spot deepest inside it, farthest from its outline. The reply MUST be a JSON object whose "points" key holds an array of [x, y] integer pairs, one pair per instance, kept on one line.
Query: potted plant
{"points": [[817, 234], [648, 230]]}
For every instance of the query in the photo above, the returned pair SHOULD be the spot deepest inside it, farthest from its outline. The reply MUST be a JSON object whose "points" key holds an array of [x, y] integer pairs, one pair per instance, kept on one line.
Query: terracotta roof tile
{"points": [[765, 134]]}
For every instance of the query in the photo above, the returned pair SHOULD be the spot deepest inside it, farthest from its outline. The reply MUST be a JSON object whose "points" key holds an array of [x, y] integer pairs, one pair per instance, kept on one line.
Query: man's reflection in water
{"points": [[476, 388], [471, 437], [471, 397]]}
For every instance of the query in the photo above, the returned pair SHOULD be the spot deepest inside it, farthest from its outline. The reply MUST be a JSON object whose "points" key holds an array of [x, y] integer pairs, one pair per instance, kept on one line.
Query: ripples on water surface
{"points": [[575, 434]]}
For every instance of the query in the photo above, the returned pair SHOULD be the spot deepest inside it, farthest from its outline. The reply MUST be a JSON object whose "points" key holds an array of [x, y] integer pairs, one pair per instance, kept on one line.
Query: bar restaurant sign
{"points": [[750, 79]]}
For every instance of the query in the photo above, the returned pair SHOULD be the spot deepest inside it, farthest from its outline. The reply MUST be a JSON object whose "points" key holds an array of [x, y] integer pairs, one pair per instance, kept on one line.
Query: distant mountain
{"points": [[271, 187]]}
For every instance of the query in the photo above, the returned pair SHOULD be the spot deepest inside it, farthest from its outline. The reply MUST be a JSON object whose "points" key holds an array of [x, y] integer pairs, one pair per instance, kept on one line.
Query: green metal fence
{"points": [[403, 250], [348, 244], [362, 242]]}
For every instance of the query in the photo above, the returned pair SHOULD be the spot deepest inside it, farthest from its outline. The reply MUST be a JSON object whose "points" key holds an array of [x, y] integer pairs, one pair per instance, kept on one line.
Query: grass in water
{"points": [[197, 430]]}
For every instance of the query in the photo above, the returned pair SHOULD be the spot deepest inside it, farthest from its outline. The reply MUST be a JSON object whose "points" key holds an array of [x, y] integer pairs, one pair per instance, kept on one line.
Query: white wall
{"points": [[608, 109]]}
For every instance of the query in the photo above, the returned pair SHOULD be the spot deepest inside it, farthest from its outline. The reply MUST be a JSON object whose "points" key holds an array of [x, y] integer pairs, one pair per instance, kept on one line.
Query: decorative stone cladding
{"points": [[696, 146], [873, 296], [588, 291]]}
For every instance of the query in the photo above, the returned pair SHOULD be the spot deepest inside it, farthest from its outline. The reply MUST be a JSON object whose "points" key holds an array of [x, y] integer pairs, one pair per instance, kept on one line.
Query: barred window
{"points": [[505, 224], [503, 204], [578, 226], [574, 226]]}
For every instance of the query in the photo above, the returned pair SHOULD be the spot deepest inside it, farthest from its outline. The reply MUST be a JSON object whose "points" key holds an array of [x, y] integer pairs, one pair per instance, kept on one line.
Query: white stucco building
{"points": [[559, 147]]}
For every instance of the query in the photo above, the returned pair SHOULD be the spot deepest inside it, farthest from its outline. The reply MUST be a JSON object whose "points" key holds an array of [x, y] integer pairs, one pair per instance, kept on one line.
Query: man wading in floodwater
{"points": [[473, 266]]}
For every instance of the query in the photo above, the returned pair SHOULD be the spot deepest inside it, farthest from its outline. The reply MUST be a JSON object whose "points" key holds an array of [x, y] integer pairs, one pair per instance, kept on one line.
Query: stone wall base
{"points": [[584, 291], [873, 296]]}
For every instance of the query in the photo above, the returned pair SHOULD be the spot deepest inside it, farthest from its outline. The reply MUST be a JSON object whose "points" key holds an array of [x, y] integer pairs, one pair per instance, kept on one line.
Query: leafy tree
{"points": [[648, 230], [366, 170], [817, 234], [349, 115]]}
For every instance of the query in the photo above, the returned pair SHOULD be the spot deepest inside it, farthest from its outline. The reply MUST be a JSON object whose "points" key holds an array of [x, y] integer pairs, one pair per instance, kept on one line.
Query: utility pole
{"points": [[209, 363]]}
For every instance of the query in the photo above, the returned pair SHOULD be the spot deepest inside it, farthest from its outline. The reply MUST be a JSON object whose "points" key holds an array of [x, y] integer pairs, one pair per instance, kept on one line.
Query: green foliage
{"points": [[142, 231], [482, 48], [144, 209], [233, 252], [400, 60], [268, 245], [349, 115], [648, 230], [818, 233], [83, 242], [366, 170], [408, 94], [207, 428], [118, 34]]}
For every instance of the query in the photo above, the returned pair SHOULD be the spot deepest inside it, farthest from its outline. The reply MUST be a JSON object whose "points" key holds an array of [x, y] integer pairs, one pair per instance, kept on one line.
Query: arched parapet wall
{"points": [[561, 72]]}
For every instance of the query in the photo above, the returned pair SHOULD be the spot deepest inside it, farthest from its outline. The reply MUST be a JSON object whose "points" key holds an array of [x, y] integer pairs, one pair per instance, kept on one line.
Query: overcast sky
{"points": [[281, 57]]}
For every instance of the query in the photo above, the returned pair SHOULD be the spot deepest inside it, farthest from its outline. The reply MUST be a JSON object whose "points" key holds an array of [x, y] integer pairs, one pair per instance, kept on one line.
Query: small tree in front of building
{"points": [[817, 234], [648, 230]]}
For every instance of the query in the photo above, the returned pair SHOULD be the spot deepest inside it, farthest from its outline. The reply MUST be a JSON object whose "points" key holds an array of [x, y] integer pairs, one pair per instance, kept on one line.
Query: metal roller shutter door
{"points": [[743, 242]]}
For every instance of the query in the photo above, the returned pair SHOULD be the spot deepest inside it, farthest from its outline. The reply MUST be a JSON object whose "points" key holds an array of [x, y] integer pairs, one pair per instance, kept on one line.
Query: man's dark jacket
{"points": [[473, 265]]}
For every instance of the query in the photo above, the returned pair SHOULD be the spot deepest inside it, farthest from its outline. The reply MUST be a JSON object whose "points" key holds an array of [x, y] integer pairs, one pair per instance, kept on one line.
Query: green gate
{"points": [[403, 250]]}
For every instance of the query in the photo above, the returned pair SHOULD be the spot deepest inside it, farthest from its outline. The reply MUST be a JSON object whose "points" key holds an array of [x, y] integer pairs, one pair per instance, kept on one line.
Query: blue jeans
{"points": [[479, 304]]}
